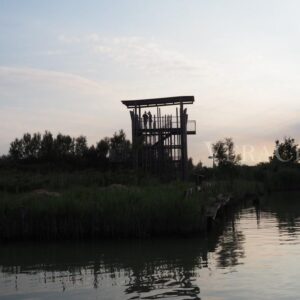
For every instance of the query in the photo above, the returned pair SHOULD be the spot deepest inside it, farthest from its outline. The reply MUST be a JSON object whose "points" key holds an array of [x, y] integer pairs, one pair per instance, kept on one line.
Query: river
{"points": [[253, 254]]}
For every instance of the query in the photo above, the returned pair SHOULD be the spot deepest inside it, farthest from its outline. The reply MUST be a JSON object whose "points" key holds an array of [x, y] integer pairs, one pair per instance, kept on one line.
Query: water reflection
{"points": [[143, 269], [230, 251], [164, 268], [180, 285], [147, 270], [286, 209]]}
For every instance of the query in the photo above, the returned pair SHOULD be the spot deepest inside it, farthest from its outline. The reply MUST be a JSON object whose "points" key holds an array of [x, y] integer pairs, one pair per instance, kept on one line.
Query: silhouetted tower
{"points": [[160, 141]]}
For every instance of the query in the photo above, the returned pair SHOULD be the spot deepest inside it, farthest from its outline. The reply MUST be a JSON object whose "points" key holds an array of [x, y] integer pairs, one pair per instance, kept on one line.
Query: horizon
{"points": [[66, 67]]}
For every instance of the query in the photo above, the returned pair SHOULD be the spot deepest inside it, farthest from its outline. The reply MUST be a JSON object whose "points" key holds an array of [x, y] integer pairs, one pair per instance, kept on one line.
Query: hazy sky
{"points": [[66, 65]]}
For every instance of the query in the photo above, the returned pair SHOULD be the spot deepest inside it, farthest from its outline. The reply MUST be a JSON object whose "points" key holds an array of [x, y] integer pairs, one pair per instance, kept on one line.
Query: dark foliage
{"points": [[224, 153], [286, 151], [66, 151]]}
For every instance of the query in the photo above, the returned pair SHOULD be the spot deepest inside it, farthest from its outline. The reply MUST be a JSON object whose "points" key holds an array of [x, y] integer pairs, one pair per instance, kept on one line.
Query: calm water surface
{"points": [[255, 255]]}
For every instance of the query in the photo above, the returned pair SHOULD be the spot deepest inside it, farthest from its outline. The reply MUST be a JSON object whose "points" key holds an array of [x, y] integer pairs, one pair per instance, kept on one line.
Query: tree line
{"points": [[110, 152], [47, 148], [224, 154]]}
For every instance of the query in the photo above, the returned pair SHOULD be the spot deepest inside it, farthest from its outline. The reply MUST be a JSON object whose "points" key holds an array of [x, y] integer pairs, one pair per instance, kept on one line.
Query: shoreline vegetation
{"points": [[114, 211], [60, 189]]}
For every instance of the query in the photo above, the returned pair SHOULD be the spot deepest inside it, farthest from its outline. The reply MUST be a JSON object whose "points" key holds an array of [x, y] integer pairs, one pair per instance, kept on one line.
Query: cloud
{"points": [[45, 88], [145, 54], [69, 39], [53, 52], [26, 75]]}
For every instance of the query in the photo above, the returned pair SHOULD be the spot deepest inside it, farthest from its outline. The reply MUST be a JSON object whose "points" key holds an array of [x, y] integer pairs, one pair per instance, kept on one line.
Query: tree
{"points": [[224, 153], [16, 151], [198, 167], [63, 146], [102, 149], [27, 148], [35, 146], [47, 146], [120, 147], [286, 151], [80, 146]]}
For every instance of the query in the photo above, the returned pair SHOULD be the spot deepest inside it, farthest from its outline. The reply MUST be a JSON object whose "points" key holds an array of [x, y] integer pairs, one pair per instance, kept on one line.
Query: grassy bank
{"points": [[18, 181], [67, 207], [116, 211]]}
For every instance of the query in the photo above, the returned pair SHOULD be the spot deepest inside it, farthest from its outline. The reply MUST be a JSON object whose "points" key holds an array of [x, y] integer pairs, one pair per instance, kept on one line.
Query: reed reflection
{"points": [[150, 269], [144, 269], [286, 208]]}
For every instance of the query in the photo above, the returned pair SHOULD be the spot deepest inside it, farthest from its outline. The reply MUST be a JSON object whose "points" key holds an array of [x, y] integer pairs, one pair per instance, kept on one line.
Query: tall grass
{"points": [[236, 189], [100, 212], [89, 204], [18, 181], [285, 179]]}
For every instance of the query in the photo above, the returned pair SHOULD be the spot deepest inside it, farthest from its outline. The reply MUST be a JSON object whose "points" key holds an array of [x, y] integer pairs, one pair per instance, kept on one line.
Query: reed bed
{"points": [[91, 204], [116, 211]]}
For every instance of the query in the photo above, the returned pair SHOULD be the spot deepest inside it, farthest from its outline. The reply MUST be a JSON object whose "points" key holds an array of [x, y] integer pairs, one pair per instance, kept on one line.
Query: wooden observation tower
{"points": [[160, 139]]}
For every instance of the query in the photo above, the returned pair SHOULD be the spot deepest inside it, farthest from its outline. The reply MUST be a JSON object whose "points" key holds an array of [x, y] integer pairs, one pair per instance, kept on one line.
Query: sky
{"points": [[66, 65]]}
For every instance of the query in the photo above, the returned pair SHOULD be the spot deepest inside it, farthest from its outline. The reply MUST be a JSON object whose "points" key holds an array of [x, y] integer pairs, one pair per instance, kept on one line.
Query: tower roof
{"points": [[159, 101]]}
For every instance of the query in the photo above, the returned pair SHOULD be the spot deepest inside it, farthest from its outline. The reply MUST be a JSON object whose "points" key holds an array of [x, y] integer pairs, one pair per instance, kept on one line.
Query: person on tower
{"points": [[145, 119], [150, 119]]}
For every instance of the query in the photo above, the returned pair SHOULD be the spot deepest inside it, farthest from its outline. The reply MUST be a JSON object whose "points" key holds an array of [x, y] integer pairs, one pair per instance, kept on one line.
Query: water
{"points": [[255, 255]]}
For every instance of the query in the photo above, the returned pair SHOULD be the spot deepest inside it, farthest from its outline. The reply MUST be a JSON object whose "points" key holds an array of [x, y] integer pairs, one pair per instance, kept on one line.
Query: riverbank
{"points": [[91, 211]]}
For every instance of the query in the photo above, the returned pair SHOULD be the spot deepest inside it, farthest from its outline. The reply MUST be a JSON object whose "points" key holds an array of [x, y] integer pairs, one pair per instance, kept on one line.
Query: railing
{"points": [[166, 122]]}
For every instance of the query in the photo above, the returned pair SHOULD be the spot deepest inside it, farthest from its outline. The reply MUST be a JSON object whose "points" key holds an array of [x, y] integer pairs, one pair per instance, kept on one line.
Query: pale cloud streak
{"points": [[144, 54], [69, 39], [28, 75]]}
